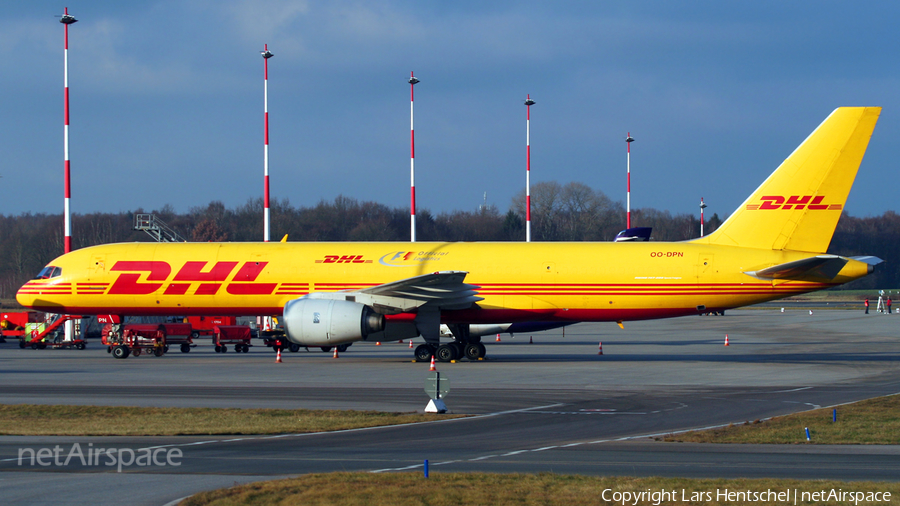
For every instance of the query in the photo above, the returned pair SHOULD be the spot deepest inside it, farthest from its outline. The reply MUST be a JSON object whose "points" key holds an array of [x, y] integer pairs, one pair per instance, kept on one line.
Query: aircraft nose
{"points": [[25, 296]]}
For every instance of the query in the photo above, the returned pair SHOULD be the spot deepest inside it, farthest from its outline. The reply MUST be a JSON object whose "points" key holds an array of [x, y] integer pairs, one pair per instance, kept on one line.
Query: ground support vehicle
{"points": [[237, 335], [40, 335], [181, 335], [204, 325], [13, 324], [135, 340]]}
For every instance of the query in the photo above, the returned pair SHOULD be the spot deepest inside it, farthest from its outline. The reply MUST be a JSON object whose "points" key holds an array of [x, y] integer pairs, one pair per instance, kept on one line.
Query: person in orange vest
{"points": [[867, 305], [888, 304]]}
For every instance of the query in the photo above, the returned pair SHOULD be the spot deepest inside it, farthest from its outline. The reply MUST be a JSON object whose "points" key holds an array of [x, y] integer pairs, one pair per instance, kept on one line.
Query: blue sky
{"points": [[167, 99]]}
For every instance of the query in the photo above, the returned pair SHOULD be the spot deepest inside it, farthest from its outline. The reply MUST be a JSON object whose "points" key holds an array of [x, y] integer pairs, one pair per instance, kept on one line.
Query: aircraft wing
{"points": [[445, 290], [817, 268]]}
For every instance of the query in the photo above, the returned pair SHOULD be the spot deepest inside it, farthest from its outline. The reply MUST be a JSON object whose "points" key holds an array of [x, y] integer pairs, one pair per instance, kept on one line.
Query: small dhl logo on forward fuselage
{"points": [[343, 259], [794, 202]]}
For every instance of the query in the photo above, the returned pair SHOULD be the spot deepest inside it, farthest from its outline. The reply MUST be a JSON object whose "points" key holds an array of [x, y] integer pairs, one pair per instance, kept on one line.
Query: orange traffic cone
{"points": [[335, 353], [498, 338], [432, 364], [410, 344], [600, 350], [726, 339], [278, 357]]}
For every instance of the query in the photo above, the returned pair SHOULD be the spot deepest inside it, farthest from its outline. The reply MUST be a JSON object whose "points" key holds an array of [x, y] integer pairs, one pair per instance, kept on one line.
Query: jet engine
{"points": [[323, 322]]}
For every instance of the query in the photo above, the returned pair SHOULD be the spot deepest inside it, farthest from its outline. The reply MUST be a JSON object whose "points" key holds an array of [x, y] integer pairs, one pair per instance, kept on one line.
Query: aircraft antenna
{"points": [[412, 162], [628, 141], [266, 54], [528, 104]]}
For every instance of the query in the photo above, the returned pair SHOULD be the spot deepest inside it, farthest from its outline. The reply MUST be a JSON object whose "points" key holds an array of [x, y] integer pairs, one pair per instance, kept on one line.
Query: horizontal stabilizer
{"points": [[868, 259], [817, 268]]}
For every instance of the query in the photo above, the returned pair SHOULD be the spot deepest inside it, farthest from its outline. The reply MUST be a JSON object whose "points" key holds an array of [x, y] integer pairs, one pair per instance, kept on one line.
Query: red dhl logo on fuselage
{"points": [[343, 259], [158, 272], [794, 202]]}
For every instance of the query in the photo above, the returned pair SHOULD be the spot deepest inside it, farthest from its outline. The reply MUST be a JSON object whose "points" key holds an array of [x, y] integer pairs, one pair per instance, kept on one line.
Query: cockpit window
{"points": [[49, 272]]}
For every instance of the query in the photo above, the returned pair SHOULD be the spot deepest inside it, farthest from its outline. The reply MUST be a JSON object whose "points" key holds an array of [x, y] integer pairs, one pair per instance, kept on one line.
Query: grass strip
{"points": [[409, 489], [872, 421], [47, 420]]}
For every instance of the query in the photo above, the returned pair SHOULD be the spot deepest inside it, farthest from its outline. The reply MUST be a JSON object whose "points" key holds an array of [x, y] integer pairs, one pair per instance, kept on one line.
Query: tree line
{"points": [[570, 212]]}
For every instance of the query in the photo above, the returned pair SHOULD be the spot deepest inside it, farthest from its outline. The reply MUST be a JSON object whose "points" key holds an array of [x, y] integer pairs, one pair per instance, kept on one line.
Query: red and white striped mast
{"points": [[628, 140], [67, 19], [412, 161], [702, 207], [266, 55], [528, 104]]}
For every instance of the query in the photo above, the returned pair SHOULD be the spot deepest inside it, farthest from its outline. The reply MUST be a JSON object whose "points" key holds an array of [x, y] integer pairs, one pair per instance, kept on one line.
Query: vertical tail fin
{"points": [[798, 206]]}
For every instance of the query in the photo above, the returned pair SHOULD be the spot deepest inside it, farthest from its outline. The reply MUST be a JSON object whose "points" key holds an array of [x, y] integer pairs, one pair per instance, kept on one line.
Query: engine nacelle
{"points": [[323, 322]]}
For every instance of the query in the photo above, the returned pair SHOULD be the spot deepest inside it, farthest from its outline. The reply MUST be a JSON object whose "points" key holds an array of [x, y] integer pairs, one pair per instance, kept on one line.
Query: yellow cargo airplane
{"points": [[772, 246]]}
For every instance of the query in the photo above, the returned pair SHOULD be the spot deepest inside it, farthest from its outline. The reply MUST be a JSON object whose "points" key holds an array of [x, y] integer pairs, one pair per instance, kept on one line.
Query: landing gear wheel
{"points": [[120, 352], [446, 353], [185, 348], [343, 347], [424, 352], [294, 347], [474, 351], [326, 349]]}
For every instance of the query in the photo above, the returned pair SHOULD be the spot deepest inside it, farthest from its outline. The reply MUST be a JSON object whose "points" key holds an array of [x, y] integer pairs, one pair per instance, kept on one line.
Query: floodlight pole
{"points": [[67, 19], [702, 207], [628, 140], [266, 54], [412, 161], [528, 104]]}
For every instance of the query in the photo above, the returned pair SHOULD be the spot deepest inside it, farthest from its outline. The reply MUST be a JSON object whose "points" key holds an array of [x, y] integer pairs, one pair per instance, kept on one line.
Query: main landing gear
{"points": [[463, 346]]}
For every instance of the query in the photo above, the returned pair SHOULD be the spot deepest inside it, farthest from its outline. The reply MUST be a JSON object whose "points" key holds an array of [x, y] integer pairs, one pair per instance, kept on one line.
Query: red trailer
{"points": [[204, 325], [180, 334], [135, 340], [238, 335]]}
